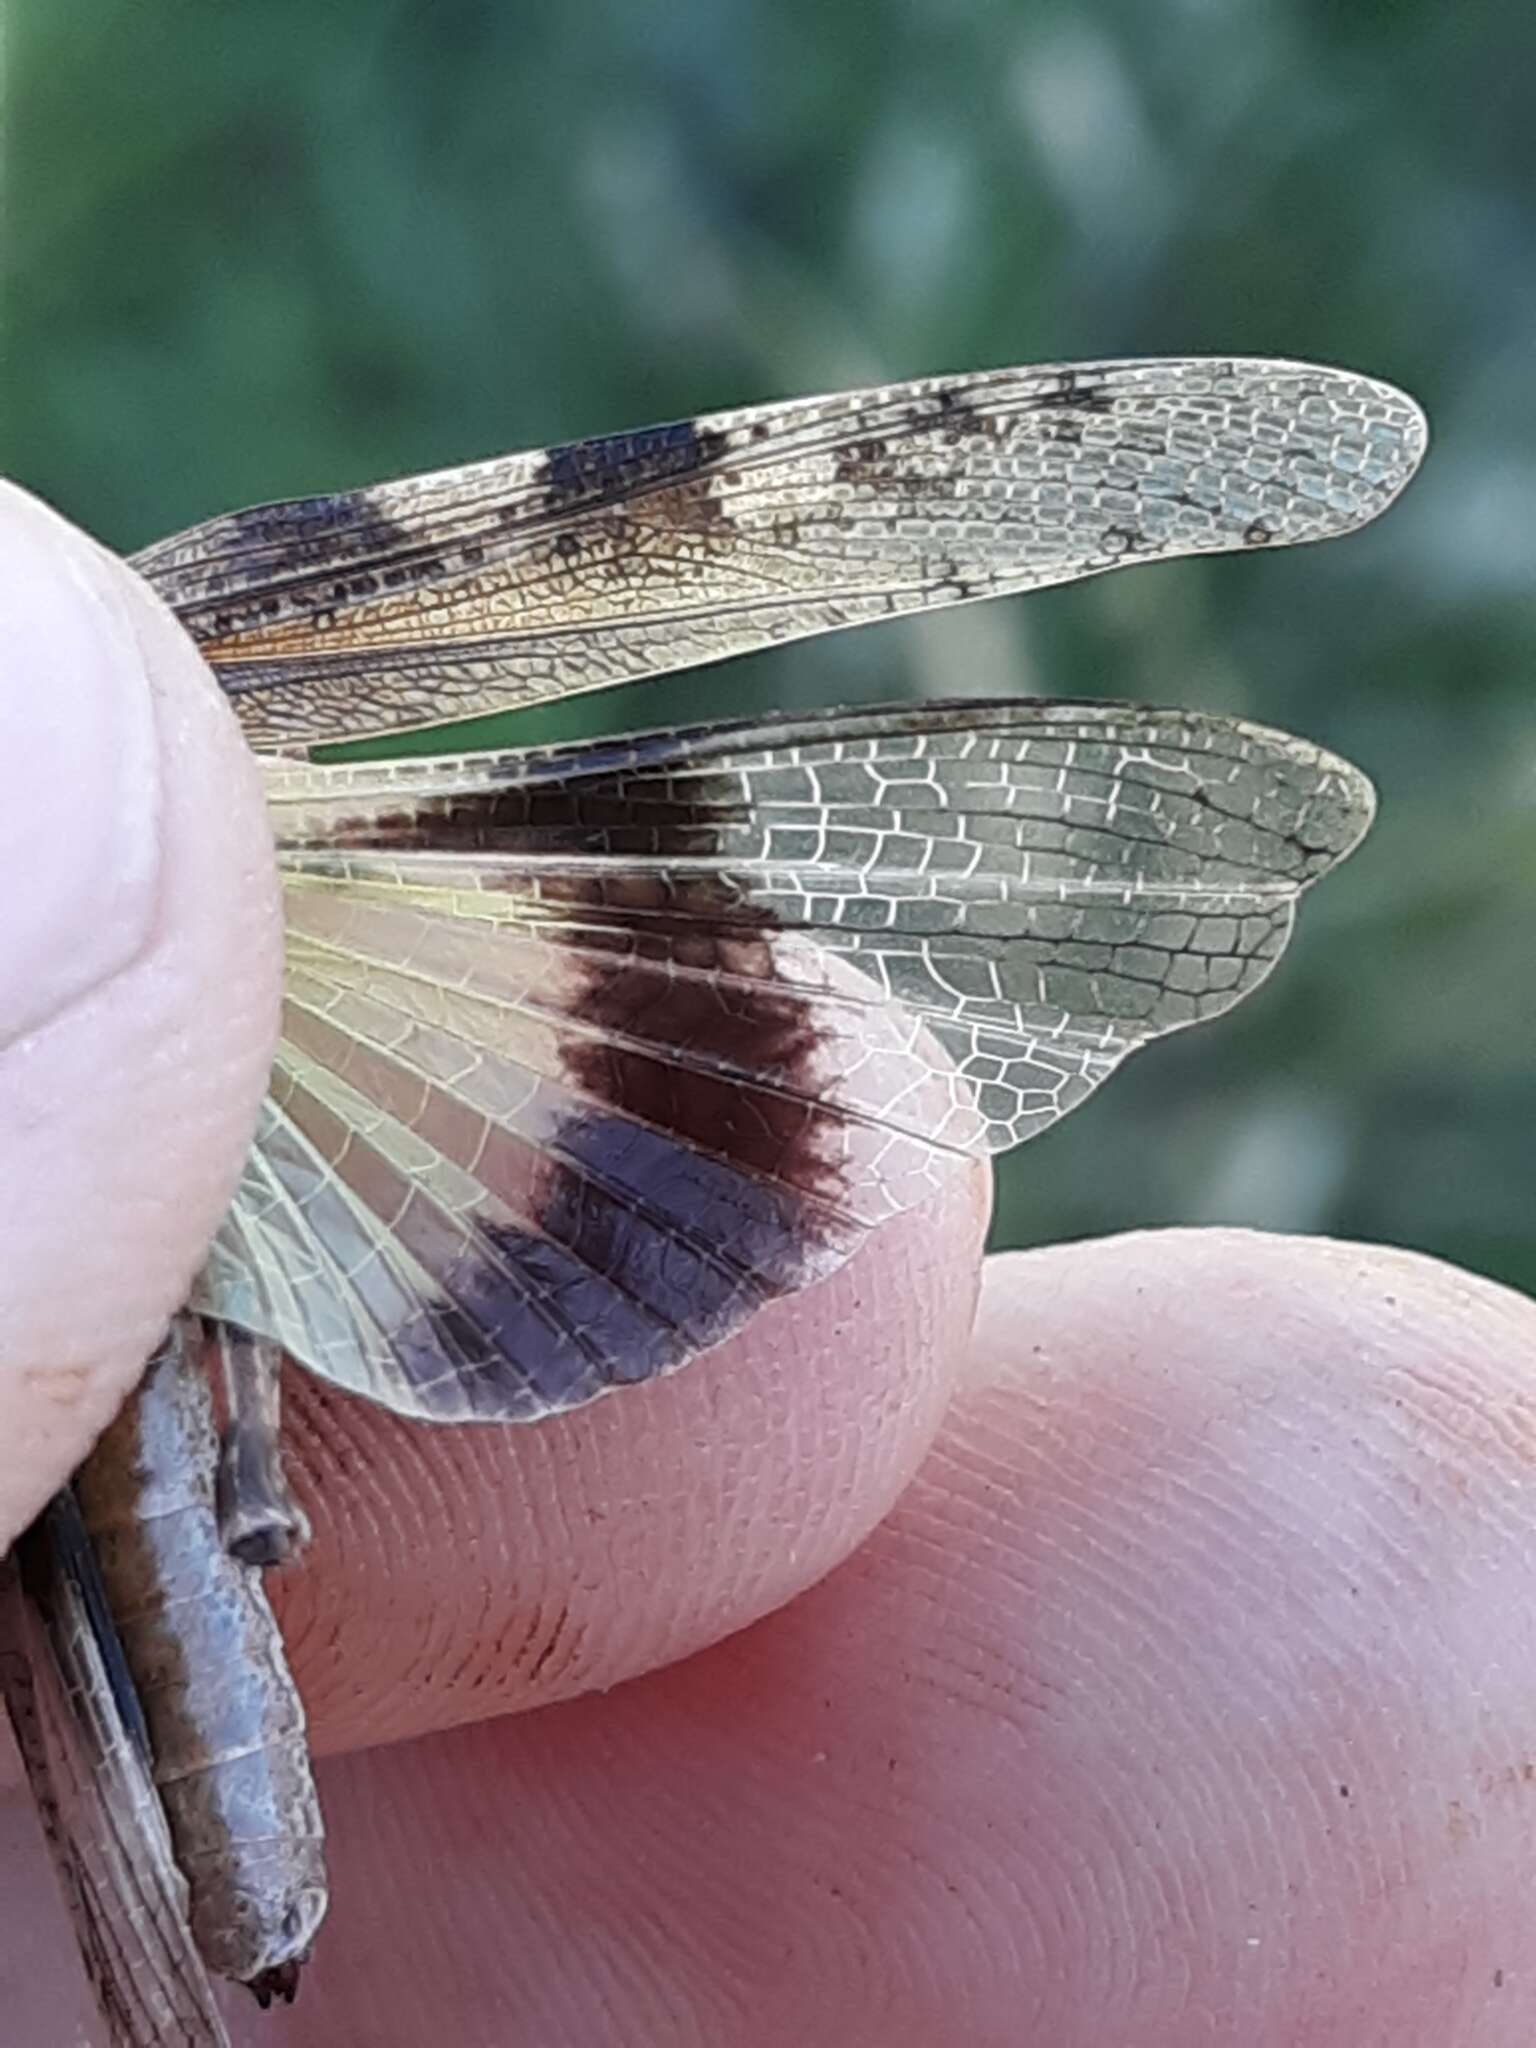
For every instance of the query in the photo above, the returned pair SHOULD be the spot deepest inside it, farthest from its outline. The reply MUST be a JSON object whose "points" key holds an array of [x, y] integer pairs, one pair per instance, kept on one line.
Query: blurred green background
{"points": [[251, 251]]}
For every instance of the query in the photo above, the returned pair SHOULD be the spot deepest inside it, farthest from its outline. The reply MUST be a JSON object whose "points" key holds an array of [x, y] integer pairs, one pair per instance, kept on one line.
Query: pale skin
{"points": [[1169, 1669]]}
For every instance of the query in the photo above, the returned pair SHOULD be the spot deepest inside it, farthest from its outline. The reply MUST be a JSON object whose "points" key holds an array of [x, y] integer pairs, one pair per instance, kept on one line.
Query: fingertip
{"points": [[1239, 1306], [463, 1572], [1160, 1695]]}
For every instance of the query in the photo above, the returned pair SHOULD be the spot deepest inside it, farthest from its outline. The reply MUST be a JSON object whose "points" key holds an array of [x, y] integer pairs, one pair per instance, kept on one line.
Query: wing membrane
{"points": [[588, 1052], [72, 1706], [513, 581]]}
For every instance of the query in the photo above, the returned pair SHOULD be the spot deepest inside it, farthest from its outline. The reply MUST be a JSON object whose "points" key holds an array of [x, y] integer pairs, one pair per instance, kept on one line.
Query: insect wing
{"points": [[71, 1704], [515, 581], [589, 1052]]}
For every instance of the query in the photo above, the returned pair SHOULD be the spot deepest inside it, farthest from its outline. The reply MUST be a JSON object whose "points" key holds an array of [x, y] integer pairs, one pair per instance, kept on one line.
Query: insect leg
{"points": [[260, 1522]]}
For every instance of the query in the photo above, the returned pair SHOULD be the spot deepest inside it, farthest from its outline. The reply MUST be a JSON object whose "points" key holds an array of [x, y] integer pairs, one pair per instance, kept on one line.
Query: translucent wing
{"points": [[77, 1725], [530, 577], [588, 1052]]}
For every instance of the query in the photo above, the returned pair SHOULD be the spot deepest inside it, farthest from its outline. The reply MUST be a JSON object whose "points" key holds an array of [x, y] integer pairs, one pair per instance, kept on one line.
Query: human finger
{"points": [[1185, 1692], [140, 960]]}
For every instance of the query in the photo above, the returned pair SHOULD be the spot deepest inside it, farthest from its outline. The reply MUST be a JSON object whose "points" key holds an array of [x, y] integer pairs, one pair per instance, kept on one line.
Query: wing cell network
{"points": [[588, 1052], [510, 582]]}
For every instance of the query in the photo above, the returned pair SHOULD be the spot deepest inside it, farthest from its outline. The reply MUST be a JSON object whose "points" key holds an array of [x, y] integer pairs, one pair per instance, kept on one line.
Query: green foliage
{"points": [[254, 251]]}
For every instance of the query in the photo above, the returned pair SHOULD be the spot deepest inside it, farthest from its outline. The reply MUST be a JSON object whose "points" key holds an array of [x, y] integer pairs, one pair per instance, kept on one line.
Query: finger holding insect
{"points": [[1190, 1676], [620, 1051]]}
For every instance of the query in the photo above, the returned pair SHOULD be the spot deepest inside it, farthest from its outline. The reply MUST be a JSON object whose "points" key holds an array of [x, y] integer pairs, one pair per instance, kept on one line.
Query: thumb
{"points": [[140, 963]]}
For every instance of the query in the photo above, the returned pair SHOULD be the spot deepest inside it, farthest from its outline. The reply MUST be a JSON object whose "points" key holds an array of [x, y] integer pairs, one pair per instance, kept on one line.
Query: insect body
{"points": [[589, 1051]]}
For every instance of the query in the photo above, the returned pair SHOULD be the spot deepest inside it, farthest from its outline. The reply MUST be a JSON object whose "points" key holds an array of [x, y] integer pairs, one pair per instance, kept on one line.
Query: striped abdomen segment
{"points": [[224, 1719]]}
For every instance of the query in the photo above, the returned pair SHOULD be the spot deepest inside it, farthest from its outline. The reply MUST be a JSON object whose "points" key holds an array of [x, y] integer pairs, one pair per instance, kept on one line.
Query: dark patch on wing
{"points": [[637, 924], [1258, 533], [1119, 541], [612, 467], [961, 414], [309, 556], [310, 533], [962, 408], [1074, 392], [685, 1195], [865, 461], [599, 813], [645, 1255]]}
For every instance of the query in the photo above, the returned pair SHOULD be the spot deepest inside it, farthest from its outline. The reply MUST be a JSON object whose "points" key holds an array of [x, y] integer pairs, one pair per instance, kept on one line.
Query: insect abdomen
{"points": [[224, 1720]]}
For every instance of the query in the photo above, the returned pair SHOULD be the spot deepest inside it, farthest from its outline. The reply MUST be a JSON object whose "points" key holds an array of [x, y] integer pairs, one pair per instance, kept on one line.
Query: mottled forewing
{"points": [[517, 580], [588, 1053], [71, 1704]]}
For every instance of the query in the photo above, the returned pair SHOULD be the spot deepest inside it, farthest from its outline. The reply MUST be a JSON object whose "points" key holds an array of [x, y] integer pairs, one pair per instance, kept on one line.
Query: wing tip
{"points": [[1399, 430]]}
